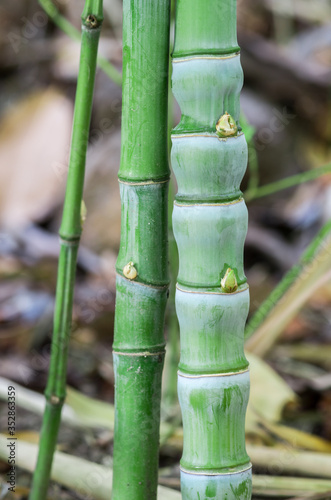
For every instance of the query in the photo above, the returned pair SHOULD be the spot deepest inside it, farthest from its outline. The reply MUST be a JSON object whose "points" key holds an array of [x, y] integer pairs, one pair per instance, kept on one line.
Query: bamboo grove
{"points": [[70, 232], [142, 264], [209, 158]]}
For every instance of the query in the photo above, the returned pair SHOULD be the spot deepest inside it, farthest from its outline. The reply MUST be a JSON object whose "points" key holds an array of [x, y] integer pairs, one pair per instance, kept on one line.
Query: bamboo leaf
{"points": [[90, 412], [301, 439], [291, 460], [278, 486], [269, 392]]}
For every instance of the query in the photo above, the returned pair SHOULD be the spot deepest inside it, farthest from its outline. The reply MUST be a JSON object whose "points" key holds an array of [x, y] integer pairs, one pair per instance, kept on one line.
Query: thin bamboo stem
{"points": [[294, 180], [70, 232], [272, 316], [70, 30], [142, 264], [209, 158]]}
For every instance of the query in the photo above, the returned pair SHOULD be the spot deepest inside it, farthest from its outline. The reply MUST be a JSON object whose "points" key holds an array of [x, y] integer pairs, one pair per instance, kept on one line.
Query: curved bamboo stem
{"points": [[209, 158], [142, 264], [70, 232]]}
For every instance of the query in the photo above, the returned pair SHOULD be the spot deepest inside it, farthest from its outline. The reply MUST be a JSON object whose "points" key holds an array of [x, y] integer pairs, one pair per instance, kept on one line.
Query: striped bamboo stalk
{"points": [[209, 158], [70, 232], [142, 264]]}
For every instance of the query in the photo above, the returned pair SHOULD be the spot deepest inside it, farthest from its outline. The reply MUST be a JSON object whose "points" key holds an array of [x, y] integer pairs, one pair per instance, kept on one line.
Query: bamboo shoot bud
{"points": [[130, 271], [226, 126], [83, 213], [229, 281]]}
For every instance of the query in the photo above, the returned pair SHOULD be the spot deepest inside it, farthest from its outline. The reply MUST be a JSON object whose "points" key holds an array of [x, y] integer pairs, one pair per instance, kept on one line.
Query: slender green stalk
{"points": [[283, 304], [142, 264], [70, 30], [319, 243], [288, 182], [209, 158], [70, 233]]}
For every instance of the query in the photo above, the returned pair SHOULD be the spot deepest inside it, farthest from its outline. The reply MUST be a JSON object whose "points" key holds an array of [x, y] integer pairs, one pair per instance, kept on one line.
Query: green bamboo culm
{"points": [[209, 159], [142, 264], [70, 232]]}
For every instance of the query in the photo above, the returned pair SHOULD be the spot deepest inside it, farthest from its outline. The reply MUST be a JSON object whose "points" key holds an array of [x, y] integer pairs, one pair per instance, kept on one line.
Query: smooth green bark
{"points": [[142, 264], [70, 232], [209, 158]]}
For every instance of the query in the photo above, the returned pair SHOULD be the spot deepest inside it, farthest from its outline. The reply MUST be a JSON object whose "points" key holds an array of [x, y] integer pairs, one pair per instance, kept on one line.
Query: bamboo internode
{"points": [[209, 158]]}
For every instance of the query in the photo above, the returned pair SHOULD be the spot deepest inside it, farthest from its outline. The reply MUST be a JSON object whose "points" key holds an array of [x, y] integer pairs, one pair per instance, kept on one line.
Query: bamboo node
{"points": [[130, 271], [55, 400], [91, 21], [226, 126]]}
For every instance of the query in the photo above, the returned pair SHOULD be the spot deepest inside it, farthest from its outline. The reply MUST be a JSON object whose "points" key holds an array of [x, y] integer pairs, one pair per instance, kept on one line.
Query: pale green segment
{"points": [[144, 231], [212, 331], [210, 239], [204, 27], [213, 410], [208, 168], [223, 487], [205, 89]]}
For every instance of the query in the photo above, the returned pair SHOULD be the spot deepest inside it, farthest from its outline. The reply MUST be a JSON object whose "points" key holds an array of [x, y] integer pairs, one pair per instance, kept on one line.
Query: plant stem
{"points": [[142, 264], [268, 322], [210, 225], [70, 233], [294, 180], [70, 30]]}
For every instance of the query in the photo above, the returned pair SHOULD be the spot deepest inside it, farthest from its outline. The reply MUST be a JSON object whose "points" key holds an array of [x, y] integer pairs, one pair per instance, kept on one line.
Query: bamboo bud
{"points": [[226, 126], [130, 271], [83, 213], [229, 282]]}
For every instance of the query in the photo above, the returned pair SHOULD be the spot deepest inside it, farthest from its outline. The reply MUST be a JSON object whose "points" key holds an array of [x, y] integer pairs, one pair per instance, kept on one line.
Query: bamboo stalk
{"points": [[284, 302], [70, 30], [209, 158], [70, 232], [142, 264], [294, 180]]}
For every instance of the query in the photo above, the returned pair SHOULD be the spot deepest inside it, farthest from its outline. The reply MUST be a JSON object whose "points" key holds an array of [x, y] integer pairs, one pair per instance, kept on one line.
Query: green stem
{"points": [[294, 180], [142, 264], [318, 243], [70, 232], [70, 30], [210, 225], [284, 303], [170, 397]]}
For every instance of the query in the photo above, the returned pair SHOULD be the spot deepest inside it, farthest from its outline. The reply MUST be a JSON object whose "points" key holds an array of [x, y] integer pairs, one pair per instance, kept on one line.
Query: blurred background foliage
{"points": [[286, 115]]}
